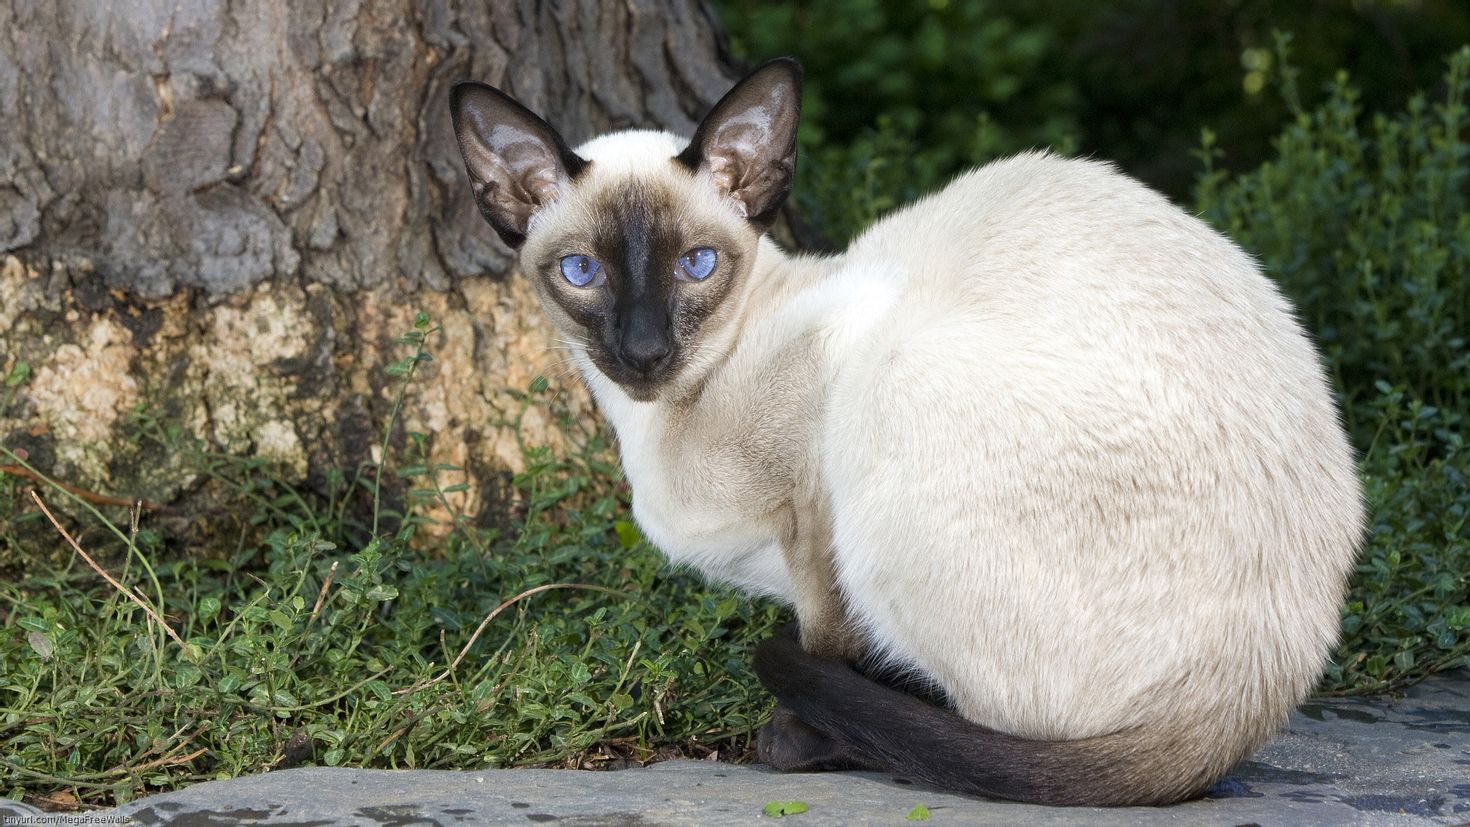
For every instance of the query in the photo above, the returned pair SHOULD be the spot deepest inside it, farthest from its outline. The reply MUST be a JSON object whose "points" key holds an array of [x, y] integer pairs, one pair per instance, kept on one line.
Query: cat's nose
{"points": [[645, 353], [645, 343]]}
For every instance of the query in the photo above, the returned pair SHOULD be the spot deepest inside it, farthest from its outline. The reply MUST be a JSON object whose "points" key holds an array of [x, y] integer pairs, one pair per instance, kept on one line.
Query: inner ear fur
{"points": [[517, 163], [747, 143]]}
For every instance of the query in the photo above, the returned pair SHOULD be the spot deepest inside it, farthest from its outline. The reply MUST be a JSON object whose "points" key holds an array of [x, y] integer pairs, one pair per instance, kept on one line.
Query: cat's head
{"points": [[637, 243]]}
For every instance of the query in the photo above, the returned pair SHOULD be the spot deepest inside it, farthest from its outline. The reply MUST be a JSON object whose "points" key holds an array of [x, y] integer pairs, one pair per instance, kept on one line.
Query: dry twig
{"points": [[105, 576], [90, 496]]}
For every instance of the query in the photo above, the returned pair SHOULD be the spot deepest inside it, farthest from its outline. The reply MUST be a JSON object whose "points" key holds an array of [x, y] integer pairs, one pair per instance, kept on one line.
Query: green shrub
{"points": [[561, 640], [931, 67], [900, 96], [1131, 80], [1365, 225]]}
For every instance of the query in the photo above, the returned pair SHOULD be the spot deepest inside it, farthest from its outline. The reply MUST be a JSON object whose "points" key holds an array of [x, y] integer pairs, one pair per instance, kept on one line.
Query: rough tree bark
{"points": [[225, 210]]}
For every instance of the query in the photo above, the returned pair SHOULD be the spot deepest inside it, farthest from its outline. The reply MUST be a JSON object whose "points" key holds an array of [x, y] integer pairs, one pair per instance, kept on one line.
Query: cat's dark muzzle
{"points": [[640, 379]]}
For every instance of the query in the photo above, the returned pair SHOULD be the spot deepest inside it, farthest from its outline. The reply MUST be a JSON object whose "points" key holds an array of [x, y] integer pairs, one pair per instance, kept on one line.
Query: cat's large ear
{"points": [[517, 163], [748, 141]]}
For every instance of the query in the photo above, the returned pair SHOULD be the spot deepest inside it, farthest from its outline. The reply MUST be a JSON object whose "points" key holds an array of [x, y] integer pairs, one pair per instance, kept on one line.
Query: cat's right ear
{"points": [[516, 161], [747, 143]]}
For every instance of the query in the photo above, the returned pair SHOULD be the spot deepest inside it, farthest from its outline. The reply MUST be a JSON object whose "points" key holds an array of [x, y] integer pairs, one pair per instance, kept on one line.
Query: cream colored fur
{"points": [[1065, 450]]}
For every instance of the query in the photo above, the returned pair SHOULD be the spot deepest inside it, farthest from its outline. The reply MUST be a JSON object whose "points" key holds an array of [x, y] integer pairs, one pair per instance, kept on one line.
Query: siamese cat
{"points": [[1040, 444]]}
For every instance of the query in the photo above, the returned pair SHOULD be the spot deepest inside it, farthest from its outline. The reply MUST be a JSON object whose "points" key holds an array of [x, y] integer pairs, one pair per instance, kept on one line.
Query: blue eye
{"points": [[580, 270], [698, 263]]}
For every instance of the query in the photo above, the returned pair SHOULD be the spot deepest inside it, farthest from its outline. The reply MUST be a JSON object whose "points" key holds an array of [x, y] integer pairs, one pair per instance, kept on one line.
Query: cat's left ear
{"points": [[747, 143], [517, 163]]}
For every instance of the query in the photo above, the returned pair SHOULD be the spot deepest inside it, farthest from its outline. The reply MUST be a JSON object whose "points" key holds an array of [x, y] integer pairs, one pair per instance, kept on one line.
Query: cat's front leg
{"points": [[827, 629]]}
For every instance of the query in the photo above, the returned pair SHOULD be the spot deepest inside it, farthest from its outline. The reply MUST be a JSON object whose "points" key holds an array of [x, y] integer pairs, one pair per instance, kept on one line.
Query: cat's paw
{"points": [[789, 744]]}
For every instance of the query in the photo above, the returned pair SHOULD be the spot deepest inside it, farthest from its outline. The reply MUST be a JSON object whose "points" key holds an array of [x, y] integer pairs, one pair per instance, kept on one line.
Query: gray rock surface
{"points": [[1342, 762]]}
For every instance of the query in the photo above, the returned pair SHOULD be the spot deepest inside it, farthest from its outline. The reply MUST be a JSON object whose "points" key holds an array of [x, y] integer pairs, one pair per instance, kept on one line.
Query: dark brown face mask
{"points": [[638, 268]]}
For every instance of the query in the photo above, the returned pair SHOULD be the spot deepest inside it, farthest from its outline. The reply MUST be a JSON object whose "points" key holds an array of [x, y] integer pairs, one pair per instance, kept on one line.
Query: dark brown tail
{"points": [[909, 737]]}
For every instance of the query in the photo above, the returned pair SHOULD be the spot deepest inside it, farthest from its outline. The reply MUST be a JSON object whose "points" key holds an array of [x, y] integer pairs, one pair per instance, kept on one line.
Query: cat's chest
{"points": [[714, 479], [703, 511]]}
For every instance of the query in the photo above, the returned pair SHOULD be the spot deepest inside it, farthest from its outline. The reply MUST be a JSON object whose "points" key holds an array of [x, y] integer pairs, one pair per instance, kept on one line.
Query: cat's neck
{"points": [[776, 279]]}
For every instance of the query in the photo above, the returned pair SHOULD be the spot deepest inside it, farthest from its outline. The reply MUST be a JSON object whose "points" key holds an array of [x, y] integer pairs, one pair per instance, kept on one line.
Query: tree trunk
{"points": [[223, 213]]}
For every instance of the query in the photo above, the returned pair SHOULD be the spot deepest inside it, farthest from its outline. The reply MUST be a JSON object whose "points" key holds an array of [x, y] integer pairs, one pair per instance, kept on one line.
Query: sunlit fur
{"points": [[1083, 468]]}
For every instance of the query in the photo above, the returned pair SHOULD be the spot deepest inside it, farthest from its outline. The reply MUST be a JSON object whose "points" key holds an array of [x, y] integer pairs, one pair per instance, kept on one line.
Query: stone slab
{"points": [[1339, 762]]}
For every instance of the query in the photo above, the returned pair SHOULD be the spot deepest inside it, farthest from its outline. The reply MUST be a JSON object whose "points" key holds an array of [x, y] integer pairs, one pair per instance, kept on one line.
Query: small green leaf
{"points": [[382, 592], [34, 624], [778, 809], [18, 374], [208, 608], [538, 385], [445, 618], [918, 813], [1458, 617], [421, 320], [628, 534], [186, 675]]}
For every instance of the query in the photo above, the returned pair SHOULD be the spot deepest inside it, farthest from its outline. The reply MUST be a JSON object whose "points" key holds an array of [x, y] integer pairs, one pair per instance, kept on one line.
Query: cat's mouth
{"points": [[643, 384]]}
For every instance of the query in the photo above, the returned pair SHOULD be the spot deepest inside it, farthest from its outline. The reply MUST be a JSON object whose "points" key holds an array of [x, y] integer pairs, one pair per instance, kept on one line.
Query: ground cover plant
{"points": [[321, 634], [562, 641]]}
